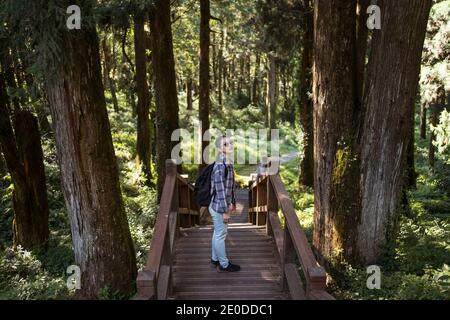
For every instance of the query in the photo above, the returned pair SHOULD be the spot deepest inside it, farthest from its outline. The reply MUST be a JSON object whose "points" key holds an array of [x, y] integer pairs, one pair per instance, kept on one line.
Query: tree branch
{"points": [[215, 18]]}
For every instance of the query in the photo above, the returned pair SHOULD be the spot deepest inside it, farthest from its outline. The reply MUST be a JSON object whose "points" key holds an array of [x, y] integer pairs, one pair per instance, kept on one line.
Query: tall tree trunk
{"points": [[388, 99], [31, 229], [336, 210], [272, 91], [241, 74], [143, 108], [248, 80], [306, 177], [256, 81], [165, 86], [361, 155], [24, 159], [101, 237], [189, 93], [204, 70], [214, 59], [423, 121], [220, 72], [226, 80], [107, 73]]}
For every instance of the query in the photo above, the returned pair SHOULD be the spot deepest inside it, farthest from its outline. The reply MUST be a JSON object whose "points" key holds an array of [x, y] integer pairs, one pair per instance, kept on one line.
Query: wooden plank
{"points": [[212, 273], [241, 295], [288, 255], [294, 282], [163, 282], [236, 255], [320, 295], [258, 209], [272, 206], [250, 265], [261, 194], [188, 211], [214, 287], [173, 226], [184, 181]]}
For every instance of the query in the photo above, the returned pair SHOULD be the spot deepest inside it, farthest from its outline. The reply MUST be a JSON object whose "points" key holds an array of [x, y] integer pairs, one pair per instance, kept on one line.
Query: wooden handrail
{"points": [[291, 241], [154, 282]]}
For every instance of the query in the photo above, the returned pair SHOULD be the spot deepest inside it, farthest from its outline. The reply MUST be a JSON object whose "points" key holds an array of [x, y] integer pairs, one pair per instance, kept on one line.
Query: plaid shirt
{"points": [[224, 187]]}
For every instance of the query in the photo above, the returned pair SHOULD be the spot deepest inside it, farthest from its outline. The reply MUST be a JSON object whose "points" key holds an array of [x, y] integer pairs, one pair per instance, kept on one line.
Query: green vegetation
{"points": [[245, 38]]}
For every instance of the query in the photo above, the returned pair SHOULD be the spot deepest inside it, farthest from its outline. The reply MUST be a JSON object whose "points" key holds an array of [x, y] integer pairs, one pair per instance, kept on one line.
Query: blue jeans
{"points": [[218, 238]]}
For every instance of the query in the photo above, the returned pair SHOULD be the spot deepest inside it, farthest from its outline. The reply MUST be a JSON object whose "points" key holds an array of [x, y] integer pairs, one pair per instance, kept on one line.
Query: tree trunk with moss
{"points": [[388, 99], [165, 86], [361, 153], [336, 191], [101, 237]]}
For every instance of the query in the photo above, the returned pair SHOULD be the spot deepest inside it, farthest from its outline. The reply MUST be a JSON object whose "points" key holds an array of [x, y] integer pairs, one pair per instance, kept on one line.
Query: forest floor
{"points": [[416, 264]]}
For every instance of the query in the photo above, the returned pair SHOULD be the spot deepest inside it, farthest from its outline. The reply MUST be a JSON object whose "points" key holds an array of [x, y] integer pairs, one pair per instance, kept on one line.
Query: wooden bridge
{"points": [[276, 261]]}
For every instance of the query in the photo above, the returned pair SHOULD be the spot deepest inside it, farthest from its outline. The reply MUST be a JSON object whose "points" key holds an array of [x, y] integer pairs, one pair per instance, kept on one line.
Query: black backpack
{"points": [[202, 188]]}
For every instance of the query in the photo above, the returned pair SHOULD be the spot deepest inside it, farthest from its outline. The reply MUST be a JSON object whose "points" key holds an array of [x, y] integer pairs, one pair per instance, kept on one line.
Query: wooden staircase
{"points": [[247, 245], [178, 265]]}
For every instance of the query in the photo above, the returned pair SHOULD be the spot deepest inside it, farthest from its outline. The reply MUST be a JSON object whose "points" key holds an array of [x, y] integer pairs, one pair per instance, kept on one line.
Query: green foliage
{"points": [[6, 212], [394, 286], [22, 276]]}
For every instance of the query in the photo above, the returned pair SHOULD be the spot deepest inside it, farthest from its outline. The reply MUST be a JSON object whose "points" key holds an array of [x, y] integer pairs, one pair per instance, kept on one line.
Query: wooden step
{"points": [[235, 253], [213, 287], [243, 262], [215, 281], [241, 295], [228, 238], [212, 273], [230, 249], [230, 234], [244, 266], [240, 231]]}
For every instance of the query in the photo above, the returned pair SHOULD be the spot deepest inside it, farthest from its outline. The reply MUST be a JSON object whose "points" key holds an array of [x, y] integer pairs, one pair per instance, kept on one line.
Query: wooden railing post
{"points": [[272, 201], [288, 255], [272, 206]]}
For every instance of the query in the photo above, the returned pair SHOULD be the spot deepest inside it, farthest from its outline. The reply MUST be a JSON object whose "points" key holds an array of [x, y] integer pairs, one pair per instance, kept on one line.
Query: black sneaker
{"points": [[214, 264], [231, 268]]}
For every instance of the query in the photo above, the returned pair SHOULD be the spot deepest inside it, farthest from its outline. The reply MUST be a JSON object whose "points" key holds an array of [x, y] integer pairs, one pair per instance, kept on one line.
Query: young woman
{"points": [[223, 203]]}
